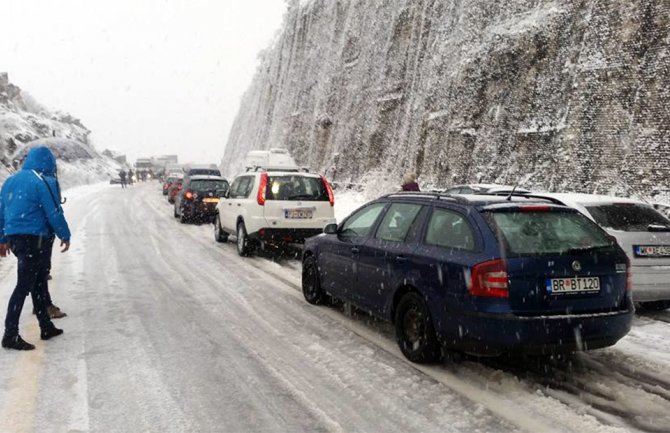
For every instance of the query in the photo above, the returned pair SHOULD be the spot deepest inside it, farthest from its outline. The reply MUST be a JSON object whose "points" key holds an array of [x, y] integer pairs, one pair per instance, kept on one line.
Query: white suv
{"points": [[275, 206]]}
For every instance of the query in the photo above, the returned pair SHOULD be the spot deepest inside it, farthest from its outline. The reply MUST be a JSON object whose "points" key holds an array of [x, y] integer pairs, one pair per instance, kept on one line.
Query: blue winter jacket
{"points": [[27, 205]]}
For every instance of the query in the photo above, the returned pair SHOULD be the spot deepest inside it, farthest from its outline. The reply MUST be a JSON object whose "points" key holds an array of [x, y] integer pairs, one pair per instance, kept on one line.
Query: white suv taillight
{"points": [[331, 196], [490, 280], [260, 198]]}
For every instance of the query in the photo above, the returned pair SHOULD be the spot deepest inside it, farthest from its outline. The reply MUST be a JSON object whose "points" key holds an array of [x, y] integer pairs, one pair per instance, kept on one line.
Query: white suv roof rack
{"points": [[277, 168]]}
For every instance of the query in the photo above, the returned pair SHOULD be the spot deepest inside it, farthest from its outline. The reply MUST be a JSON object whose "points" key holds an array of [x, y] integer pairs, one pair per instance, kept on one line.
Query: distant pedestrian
{"points": [[409, 183], [130, 176], [122, 176], [29, 213]]}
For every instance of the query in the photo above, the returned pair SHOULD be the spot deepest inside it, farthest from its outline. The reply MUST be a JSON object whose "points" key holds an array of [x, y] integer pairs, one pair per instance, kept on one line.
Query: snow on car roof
{"points": [[206, 177], [515, 199], [588, 199]]}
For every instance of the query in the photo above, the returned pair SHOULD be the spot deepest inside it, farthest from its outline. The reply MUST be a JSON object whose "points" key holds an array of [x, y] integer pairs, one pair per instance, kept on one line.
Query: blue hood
{"points": [[41, 160]]}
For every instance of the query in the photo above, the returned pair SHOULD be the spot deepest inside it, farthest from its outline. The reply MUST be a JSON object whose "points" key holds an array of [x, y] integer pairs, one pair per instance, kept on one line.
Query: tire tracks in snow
{"points": [[594, 389]]}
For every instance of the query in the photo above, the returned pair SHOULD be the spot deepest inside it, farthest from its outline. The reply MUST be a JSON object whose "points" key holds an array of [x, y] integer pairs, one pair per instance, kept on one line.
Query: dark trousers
{"points": [[43, 285], [34, 257]]}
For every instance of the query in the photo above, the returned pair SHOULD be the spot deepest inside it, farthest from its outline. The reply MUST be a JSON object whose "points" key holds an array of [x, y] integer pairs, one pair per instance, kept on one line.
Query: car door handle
{"points": [[401, 259], [355, 250]]}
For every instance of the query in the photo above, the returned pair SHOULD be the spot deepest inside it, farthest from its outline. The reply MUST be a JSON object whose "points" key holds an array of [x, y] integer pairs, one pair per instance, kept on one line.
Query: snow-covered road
{"points": [[169, 331]]}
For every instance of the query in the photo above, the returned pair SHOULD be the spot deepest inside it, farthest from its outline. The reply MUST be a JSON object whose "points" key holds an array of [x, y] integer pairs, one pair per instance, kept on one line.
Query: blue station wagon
{"points": [[475, 273]]}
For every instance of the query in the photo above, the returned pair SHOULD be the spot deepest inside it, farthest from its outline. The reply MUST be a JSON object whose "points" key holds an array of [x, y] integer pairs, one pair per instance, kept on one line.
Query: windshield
{"points": [[531, 233], [204, 171], [296, 188], [209, 185], [628, 217]]}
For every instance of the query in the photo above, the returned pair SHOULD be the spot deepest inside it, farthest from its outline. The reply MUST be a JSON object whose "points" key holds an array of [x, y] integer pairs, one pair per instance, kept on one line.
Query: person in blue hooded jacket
{"points": [[30, 213]]}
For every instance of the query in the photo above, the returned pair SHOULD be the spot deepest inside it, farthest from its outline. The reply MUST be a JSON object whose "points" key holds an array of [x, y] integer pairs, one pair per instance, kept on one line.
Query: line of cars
{"points": [[195, 192], [485, 270]]}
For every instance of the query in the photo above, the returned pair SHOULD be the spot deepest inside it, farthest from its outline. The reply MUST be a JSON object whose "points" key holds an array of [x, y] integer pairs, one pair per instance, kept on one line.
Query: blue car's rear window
{"points": [[531, 233]]}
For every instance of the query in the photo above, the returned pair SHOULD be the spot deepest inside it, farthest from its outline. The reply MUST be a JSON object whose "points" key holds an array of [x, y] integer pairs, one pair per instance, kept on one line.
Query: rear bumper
{"points": [[494, 334], [285, 235], [651, 283], [199, 210]]}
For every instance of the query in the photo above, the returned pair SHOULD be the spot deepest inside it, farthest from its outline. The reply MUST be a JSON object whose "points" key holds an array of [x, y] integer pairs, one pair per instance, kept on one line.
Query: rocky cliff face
{"points": [[24, 123], [562, 94]]}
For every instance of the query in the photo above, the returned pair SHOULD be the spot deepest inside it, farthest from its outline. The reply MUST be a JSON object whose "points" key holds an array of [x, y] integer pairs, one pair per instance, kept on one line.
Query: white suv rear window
{"points": [[296, 187]]}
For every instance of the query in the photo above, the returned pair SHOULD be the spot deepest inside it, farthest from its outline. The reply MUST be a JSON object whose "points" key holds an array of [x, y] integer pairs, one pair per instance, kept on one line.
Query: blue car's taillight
{"points": [[490, 280]]}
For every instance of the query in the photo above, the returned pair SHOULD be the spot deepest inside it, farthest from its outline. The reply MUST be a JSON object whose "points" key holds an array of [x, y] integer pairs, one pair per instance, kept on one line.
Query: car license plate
{"points": [[210, 200], [299, 214], [559, 286], [651, 250]]}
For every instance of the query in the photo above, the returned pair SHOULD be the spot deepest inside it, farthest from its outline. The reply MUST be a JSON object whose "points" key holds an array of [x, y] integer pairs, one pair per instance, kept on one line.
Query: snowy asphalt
{"points": [[169, 331]]}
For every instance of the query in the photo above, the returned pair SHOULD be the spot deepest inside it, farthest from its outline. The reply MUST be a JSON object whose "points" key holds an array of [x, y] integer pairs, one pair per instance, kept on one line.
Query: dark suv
{"points": [[480, 274], [198, 198]]}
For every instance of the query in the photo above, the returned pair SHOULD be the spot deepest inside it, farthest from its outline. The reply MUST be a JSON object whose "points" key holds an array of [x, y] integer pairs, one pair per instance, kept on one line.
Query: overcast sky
{"points": [[146, 76]]}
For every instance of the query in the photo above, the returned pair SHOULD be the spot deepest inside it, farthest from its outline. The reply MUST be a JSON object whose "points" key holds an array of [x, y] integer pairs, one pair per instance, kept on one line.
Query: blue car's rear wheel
{"points": [[311, 285], [414, 330]]}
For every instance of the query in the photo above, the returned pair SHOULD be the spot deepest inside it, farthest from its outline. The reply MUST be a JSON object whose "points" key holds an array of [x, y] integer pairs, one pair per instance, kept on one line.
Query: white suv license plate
{"points": [[298, 214], [559, 286]]}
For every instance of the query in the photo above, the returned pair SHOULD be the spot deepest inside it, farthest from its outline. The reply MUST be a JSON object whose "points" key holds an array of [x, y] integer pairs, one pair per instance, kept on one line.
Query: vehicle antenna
{"points": [[509, 197]]}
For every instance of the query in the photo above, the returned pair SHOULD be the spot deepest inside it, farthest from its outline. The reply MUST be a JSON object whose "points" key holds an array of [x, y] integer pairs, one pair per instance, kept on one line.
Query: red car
{"points": [[170, 180], [174, 189]]}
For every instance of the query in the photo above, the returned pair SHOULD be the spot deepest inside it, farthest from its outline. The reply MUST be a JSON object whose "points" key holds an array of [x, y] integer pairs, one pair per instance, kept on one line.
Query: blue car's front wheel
{"points": [[414, 330], [311, 285]]}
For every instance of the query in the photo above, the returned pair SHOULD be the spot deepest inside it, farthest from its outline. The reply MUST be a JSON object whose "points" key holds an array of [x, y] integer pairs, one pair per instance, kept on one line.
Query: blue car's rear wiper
{"points": [[587, 249]]}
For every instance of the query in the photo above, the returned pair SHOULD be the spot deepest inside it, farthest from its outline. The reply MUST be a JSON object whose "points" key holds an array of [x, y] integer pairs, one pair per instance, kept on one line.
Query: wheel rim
{"points": [[308, 280], [414, 328]]}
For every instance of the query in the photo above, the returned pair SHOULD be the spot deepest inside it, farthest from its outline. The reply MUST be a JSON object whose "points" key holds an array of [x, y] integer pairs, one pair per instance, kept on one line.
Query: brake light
{"points": [[331, 196], [490, 280], [188, 195], [261, 189], [629, 277], [531, 208]]}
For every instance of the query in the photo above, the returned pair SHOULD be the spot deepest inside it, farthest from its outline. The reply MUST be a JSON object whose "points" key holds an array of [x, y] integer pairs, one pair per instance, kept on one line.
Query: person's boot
{"points": [[50, 332], [16, 343], [55, 312]]}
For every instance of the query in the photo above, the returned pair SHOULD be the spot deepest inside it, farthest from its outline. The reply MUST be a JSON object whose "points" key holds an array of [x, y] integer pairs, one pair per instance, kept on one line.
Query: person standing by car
{"points": [[29, 213], [122, 176], [409, 183]]}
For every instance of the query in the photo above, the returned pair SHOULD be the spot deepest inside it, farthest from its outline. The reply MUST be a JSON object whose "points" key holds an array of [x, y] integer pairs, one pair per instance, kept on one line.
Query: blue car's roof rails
{"points": [[429, 194]]}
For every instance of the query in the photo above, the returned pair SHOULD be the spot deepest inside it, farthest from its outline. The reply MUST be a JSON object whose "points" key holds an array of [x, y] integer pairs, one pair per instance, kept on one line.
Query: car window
{"points": [[360, 223], [529, 233], [629, 217], [234, 187], [397, 222], [209, 185], [204, 171], [449, 229], [296, 187], [242, 189]]}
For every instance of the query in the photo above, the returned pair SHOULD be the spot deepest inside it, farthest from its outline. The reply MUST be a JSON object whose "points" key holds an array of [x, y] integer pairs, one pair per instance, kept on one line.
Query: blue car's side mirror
{"points": [[330, 229]]}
